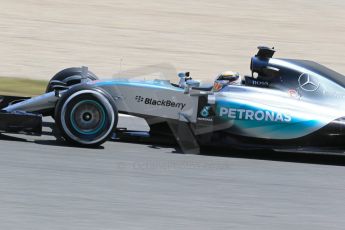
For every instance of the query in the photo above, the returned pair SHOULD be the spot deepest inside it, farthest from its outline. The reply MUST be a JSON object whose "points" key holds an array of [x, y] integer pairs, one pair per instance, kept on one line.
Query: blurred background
{"points": [[205, 37]]}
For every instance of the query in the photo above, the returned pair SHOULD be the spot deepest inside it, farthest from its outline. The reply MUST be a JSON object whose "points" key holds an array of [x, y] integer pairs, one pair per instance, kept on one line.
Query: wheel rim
{"points": [[87, 117], [69, 124]]}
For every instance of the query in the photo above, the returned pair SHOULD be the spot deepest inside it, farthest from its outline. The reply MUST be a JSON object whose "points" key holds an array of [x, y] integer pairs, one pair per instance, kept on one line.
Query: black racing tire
{"points": [[64, 74], [86, 116]]}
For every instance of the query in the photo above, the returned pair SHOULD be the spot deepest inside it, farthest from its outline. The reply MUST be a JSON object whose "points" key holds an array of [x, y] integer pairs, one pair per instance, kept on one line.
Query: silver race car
{"points": [[285, 104]]}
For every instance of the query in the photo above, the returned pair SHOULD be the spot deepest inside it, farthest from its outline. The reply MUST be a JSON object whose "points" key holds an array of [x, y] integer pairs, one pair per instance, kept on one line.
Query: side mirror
{"points": [[190, 84]]}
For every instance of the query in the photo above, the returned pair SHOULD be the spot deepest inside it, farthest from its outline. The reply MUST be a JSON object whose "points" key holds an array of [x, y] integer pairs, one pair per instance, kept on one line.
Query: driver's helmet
{"points": [[226, 78]]}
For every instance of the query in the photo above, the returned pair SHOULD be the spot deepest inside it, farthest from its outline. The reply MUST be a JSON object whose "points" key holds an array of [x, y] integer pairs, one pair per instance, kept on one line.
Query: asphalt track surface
{"points": [[45, 184]]}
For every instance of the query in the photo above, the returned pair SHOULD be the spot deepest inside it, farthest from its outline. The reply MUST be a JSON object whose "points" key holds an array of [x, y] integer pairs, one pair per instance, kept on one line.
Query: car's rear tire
{"points": [[86, 117], [66, 73]]}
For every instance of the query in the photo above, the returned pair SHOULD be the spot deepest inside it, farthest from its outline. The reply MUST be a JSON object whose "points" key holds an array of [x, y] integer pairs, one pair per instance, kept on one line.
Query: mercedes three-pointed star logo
{"points": [[307, 83]]}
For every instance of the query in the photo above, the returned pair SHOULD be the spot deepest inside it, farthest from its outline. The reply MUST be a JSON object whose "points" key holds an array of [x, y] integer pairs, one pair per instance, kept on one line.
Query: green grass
{"points": [[21, 86]]}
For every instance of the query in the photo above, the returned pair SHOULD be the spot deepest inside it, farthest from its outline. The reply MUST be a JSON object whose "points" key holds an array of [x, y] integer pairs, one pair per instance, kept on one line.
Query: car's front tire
{"points": [[65, 74], [86, 117]]}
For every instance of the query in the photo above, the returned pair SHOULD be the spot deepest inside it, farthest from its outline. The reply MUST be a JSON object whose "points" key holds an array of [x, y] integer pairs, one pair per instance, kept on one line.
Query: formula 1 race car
{"points": [[285, 104]]}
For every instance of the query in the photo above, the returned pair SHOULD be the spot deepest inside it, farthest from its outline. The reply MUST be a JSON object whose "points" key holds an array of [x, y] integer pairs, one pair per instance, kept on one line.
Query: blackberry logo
{"points": [[155, 102], [139, 98]]}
